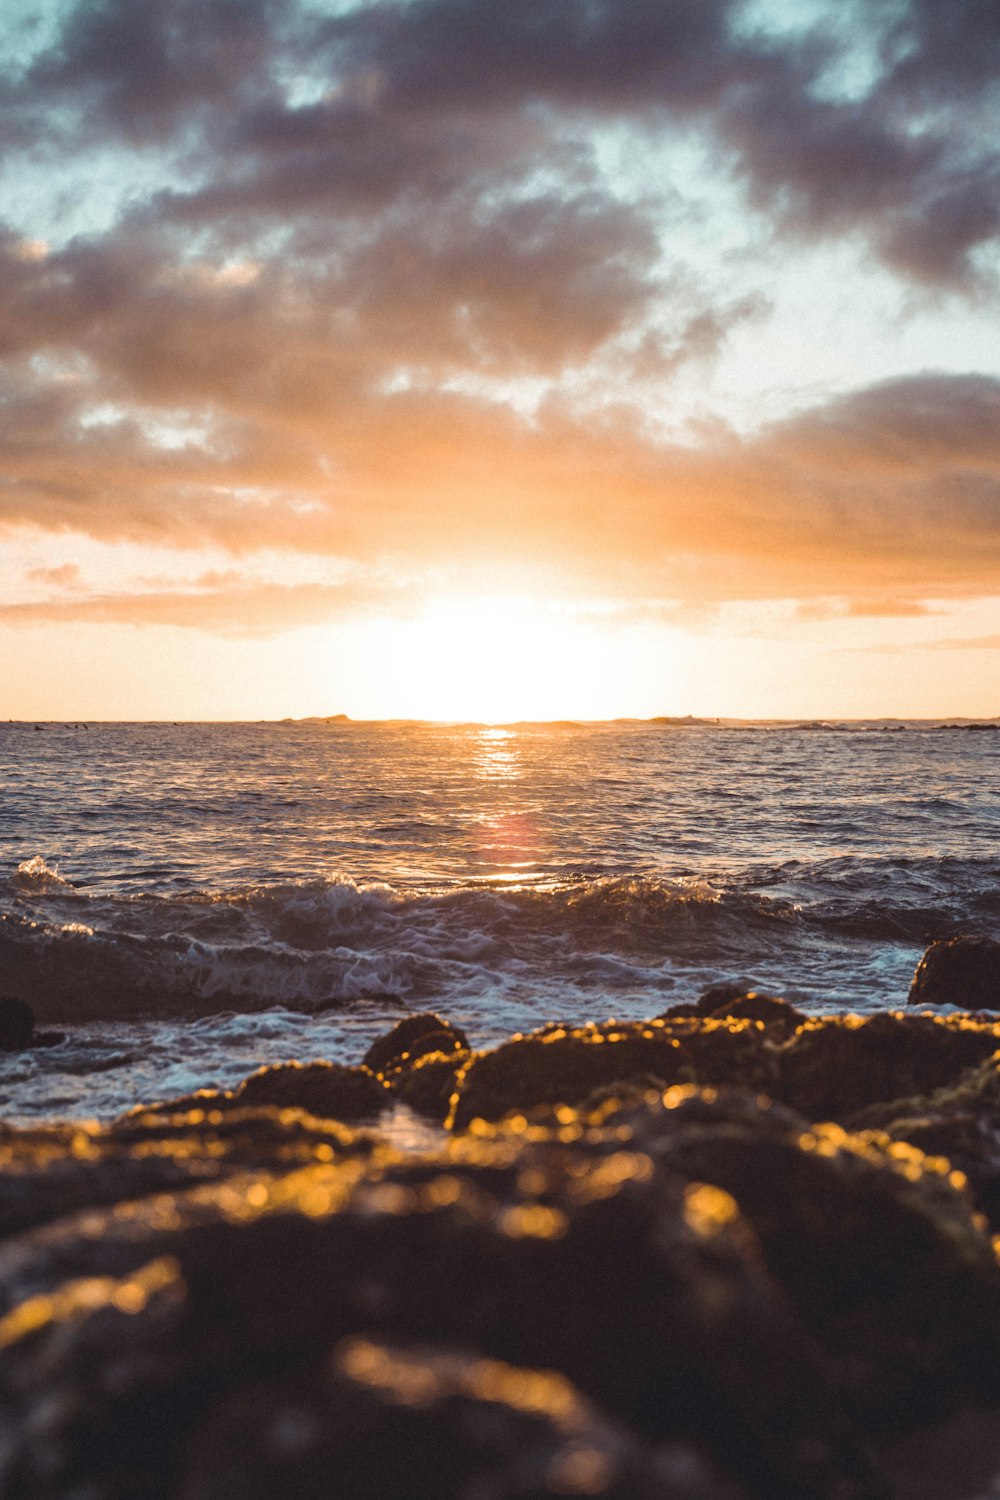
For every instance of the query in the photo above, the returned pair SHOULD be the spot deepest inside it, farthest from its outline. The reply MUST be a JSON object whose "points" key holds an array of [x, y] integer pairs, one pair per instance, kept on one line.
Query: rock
{"points": [[562, 1065], [684, 1280], [422, 1424], [52, 1171], [737, 1002], [642, 1291], [771, 1010], [412, 1038], [960, 1122], [17, 1023], [427, 1086], [962, 971], [834, 1066], [711, 1001], [328, 1090], [877, 1246]]}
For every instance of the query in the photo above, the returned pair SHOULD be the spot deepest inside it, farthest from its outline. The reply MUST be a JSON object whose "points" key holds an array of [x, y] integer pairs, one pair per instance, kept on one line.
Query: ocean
{"points": [[187, 902]]}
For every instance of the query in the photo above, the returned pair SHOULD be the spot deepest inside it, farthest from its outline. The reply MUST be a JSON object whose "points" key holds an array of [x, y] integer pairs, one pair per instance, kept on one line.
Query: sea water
{"points": [[187, 902]]}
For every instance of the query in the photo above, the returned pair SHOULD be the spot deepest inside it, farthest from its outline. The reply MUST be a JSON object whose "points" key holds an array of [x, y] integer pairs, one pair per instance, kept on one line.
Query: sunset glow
{"points": [[494, 660], [329, 326]]}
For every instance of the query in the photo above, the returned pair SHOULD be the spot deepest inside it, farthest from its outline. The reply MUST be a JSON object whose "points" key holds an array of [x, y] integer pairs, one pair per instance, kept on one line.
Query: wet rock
{"points": [[770, 1010], [561, 1065], [414, 1037], [718, 995], [52, 1171], [328, 1090], [960, 1122], [709, 1001], [427, 1086], [834, 1066], [879, 1250], [642, 1291], [17, 1023], [419, 1424], [962, 971]]}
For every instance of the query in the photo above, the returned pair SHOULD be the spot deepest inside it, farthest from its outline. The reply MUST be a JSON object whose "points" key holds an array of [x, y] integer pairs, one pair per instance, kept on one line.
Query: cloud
{"points": [[434, 99], [382, 297], [229, 606], [65, 576]]}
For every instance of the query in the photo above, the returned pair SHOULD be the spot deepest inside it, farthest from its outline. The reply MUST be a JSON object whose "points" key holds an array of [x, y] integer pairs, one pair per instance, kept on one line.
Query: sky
{"points": [[455, 359]]}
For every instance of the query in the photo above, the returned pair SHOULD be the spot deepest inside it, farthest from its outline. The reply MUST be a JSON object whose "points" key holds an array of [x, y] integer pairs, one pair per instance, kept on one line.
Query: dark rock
{"points": [[877, 1247], [423, 1424], [561, 1065], [710, 1001], [428, 1085], [836, 1065], [632, 1242], [52, 1171], [962, 971], [329, 1090], [412, 1038], [738, 1002], [642, 1291], [17, 1023], [960, 1122], [768, 1009]]}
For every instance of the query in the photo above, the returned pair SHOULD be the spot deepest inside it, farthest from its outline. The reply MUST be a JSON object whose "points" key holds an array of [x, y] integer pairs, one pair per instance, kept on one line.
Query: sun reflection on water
{"points": [[496, 756], [510, 842]]}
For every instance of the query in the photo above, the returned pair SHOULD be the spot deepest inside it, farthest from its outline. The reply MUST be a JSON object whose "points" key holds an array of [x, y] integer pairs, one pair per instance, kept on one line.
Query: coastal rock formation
{"points": [[834, 1066], [430, 1425], [564, 1065], [962, 971], [419, 1061], [639, 1265], [414, 1037], [331, 1091]]}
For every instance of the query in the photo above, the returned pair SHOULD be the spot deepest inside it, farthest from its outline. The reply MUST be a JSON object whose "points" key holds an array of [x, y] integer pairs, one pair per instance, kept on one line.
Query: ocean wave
{"points": [[34, 875], [321, 944]]}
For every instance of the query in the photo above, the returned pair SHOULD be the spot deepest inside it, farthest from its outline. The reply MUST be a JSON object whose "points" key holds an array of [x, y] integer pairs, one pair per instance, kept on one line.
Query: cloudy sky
{"points": [[464, 358]]}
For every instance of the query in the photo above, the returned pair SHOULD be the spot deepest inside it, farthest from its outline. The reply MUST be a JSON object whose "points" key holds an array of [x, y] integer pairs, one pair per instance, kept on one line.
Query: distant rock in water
{"points": [[962, 971], [17, 1023]]}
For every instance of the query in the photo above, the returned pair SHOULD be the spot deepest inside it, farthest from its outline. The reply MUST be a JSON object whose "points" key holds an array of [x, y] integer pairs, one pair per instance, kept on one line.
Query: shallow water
{"points": [[190, 901]]}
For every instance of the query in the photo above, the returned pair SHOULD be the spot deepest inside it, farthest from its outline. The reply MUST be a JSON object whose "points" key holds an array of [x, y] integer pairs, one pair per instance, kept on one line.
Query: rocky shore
{"points": [[729, 1252]]}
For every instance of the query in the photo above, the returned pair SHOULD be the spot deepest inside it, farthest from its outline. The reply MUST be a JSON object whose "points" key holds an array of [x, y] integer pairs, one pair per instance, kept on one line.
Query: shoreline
{"points": [[725, 1253]]}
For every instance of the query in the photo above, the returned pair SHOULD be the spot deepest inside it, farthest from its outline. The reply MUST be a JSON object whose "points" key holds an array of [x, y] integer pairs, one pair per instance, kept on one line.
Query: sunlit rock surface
{"points": [[706, 1257]]}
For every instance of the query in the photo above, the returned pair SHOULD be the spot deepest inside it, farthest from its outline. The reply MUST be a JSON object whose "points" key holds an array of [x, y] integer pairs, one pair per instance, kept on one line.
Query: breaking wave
{"points": [[323, 944]]}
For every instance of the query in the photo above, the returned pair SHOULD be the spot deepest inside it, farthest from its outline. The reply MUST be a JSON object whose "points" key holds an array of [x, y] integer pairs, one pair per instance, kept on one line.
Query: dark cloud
{"points": [[140, 71], [430, 98]]}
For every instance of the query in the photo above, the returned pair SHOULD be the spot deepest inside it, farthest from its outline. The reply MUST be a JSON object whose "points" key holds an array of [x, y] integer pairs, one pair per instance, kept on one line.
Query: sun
{"points": [[496, 659]]}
